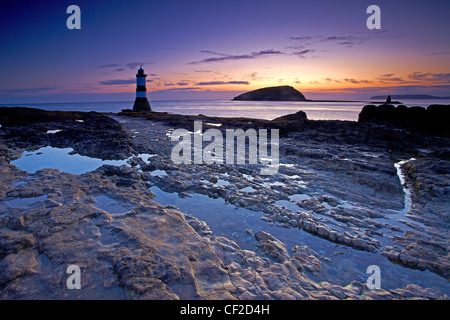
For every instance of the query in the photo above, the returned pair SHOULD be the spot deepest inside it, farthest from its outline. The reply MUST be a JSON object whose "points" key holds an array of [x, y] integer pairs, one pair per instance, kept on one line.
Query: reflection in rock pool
{"points": [[340, 264]]}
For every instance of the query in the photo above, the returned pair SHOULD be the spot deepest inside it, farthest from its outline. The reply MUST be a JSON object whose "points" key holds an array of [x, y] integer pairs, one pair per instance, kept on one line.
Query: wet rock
{"points": [[13, 241], [306, 258], [97, 136], [271, 247], [17, 265]]}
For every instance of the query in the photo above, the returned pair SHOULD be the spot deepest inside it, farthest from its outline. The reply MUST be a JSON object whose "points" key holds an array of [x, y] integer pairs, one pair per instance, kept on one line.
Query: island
{"points": [[280, 93]]}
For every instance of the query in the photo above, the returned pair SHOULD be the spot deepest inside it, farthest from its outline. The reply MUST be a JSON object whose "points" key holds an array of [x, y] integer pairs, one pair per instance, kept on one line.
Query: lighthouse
{"points": [[141, 103]]}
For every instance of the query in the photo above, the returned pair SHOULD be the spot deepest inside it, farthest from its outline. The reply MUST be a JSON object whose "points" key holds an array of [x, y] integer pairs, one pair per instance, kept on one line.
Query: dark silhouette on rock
{"points": [[388, 100], [291, 122], [298, 116], [281, 93], [433, 119]]}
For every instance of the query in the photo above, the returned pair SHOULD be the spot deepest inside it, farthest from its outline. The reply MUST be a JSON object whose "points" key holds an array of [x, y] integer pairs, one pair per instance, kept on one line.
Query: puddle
{"points": [[159, 173], [223, 219], [401, 176], [299, 197], [276, 183], [64, 161], [399, 217], [342, 266], [53, 131], [222, 182], [248, 189], [25, 202]]}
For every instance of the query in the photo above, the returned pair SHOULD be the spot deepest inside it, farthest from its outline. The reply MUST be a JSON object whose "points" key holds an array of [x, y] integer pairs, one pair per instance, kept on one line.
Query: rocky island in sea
{"points": [[348, 195], [280, 93]]}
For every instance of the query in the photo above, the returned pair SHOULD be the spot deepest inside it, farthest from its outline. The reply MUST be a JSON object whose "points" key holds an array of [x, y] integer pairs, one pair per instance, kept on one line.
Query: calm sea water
{"points": [[227, 108]]}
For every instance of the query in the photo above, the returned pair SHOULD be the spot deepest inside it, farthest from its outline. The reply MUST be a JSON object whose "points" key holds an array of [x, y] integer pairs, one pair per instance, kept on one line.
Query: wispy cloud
{"points": [[302, 53], [332, 80], [204, 71], [117, 82], [213, 83], [342, 40], [389, 77], [178, 89], [120, 82], [434, 77], [31, 90], [134, 65], [356, 81], [119, 67], [227, 57], [103, 66]]}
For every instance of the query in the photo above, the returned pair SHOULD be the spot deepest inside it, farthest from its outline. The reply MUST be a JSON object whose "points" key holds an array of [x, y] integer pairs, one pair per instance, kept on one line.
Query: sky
{"points": [[210, 49]]}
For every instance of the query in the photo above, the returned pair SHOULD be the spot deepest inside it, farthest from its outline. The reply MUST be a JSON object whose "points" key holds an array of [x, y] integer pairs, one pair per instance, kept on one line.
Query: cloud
{"points": [[439, 90], [214, 53], [103, 66], [178, 89], [117, 82], [227, 57], [238, 82], [332, 80], [345, 41], [302, 53], [134, 65], [120, 82], [213, 83], [389, 77], [438, 77], [31, 90], [304, 38], [342, 40], [182, 83], [356, 81]]}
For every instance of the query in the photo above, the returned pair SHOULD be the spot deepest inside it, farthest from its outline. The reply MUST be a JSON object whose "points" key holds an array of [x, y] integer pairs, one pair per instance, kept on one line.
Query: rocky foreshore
{"points": [[337, 188]]}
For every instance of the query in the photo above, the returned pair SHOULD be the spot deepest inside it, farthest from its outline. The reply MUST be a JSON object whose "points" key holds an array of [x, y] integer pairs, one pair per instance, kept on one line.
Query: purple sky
{"points": [[218, 49]]}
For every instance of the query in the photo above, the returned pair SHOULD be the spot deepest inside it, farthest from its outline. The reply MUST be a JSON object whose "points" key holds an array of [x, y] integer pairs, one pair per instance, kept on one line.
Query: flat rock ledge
{"points": [[147, 252]]}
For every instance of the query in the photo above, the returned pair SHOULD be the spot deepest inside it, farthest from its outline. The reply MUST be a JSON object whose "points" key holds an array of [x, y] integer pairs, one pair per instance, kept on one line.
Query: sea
{"points": [[324, 110]]}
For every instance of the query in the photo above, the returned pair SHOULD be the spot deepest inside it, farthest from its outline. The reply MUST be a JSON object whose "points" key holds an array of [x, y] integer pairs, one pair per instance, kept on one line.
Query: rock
{"points": [[16, 265], [429, 120], [13, 241], [271, 247], [306, 258], [298, 116], [281, 93]]}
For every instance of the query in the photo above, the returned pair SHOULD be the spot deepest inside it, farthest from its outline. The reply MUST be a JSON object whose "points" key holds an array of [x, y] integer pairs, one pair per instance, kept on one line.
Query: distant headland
{"points": [[410, 96]]}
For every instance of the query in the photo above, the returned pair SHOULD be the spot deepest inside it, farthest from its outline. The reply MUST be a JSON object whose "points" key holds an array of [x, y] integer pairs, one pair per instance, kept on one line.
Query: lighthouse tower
{"points": [[141, 103]]}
